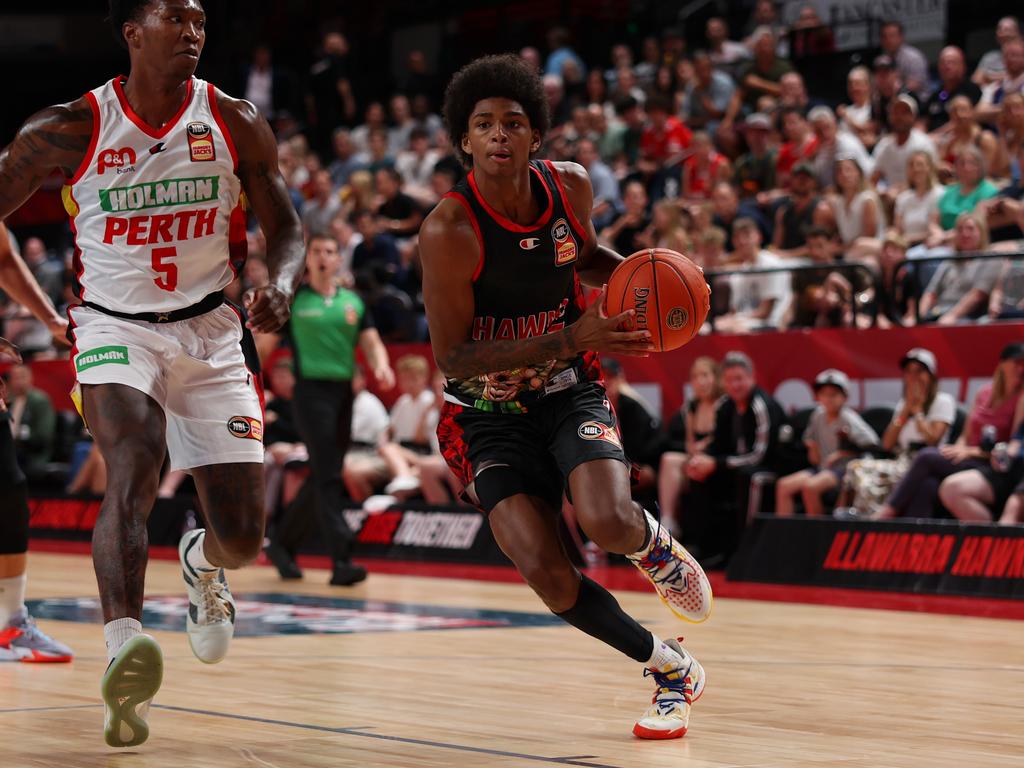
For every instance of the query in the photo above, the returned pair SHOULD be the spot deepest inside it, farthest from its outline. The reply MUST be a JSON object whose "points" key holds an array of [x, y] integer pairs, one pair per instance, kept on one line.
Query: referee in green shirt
{"points": [[327, 322]]}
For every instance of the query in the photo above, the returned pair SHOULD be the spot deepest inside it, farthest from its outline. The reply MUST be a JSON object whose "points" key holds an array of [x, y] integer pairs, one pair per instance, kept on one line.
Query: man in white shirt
{"points": [[756, 301], [893, 151]]}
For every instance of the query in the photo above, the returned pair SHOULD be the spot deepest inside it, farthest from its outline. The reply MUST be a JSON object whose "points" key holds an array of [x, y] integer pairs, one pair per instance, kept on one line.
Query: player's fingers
{"points": [[602, 301], [248, 298], [623, 318], [632, 336]]}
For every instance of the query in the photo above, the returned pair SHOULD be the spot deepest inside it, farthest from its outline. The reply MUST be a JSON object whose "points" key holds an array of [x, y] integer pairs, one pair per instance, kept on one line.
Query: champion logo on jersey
{"points": [[158, 147], [565, 244], [122, 160], [529, 243], [200, 142]]}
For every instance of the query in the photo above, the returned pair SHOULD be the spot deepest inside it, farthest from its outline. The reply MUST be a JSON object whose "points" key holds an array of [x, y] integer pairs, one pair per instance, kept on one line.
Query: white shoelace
{"points": [[214, 603]]}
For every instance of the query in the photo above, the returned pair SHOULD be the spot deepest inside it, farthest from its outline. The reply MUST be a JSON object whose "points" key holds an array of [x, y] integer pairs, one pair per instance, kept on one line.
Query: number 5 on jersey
{"points": [[168, 279]]}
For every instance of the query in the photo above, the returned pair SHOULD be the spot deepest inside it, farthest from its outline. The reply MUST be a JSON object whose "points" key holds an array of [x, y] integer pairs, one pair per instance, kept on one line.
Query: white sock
{"points": [[643, 551], [118, 632], [663, 655], [197, 558], [12, 596]]}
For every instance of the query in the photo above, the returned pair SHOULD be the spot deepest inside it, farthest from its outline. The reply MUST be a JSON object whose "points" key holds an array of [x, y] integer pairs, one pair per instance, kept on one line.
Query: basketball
{"points": [[668, 292]]}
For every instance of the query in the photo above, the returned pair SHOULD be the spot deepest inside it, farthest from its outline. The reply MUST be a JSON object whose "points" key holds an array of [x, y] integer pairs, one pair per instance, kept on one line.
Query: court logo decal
{"points": [[122, 160], [677, 318], [565, 244], [266, 614], [593, 430], [246, 427], [101, 356], [200, 142]]}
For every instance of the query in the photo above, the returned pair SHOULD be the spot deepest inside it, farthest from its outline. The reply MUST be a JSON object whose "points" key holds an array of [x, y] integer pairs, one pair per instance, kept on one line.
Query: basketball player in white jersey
{"points": [[155, 163]]}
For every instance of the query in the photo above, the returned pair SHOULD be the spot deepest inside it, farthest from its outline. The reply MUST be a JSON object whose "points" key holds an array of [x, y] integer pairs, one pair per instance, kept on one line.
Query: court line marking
{"points": [[384, 737], [49, 709]]}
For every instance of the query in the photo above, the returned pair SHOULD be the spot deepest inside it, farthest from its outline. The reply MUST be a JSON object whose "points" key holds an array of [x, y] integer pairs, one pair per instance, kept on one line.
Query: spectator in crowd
{"points": [[411, 427], [922, 417], [364, 471], [710, 253], [795, 216], [48, 272], [665, 139], [639, 426], [810, 35], [991, 68], [622, 145], [754, 171], [1011, 82], [607, 199], [893, 150], [821, 297], [666, 229], [398, 213], [793, 92], [953, 82], [703, 168], [855, 210], [964, 131], [801, 144], [345, 160], [323, 206], [744, 441], [835, 434], [998, 407], [689, 434], [532, 56], [402, 123], [377, 255], [281, 437], [269, 87], [623, 234], [727, 208], [1010, 142], [725, 54], [856, 116], [915, 204], [910, 62], [561, 52], [758, 301], [887, 87], [1007, 299], [33, 421], [374, 118], [91, 476], [559, 107], [416, 164], [757, 78], [960, 290], [417, 81], [834, 143], [708, 96], [330, 101], [970, 188]]}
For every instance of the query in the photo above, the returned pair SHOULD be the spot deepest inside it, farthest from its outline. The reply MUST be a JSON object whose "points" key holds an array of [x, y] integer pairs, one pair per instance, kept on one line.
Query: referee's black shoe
{"points": [[346, 574], [284, 562]]}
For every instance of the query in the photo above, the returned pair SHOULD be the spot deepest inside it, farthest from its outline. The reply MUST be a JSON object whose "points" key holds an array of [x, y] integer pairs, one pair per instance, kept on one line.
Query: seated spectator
{"points": [[855, 210], [708, 96], [623, 235], [33, 422], [345, 160], [922, 417], [794, 218], [953, 83], [412, 424], [665, 139], [723, 53], [997, 412], [378, 154], [914, 205], [374, 118], [835, 434], [894, 149], [639, 426], [758, 301], [710, 249], [744, 441], [91, 477], [895, 300], [689, 433], [990, 68], [910, 62], [832, 144], [398, 213], [856, 117], [621, 146], [754, 171], [810, 36], [811, 306], [666, 229], [728, 209], [760, 76], [1010, 142], [377, 255], [364, 470], [964, 131], [963, 196], [960, 290], [416, 164], [801, 144], [1007, 299], [323, 206], [1011, 82], [281, 438], [703, 168], [607, 198]]}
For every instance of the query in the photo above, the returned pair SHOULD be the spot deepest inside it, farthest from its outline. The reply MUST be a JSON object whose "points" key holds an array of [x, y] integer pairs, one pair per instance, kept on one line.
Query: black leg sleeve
{"points": [[599, 614]]}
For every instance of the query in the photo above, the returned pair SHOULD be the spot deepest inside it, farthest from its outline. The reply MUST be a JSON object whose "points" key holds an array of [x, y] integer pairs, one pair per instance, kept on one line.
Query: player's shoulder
{"points": [[234, 110], [575, 181], [448, 239], [447, 219], [57, 116]]}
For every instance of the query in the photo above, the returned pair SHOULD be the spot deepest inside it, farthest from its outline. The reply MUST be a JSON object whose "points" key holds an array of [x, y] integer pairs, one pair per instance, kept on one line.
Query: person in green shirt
{"points": [[971, 188], [327, 323]]}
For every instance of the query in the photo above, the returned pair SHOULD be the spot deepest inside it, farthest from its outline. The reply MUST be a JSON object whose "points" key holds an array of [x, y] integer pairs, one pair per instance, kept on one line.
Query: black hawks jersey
{"points": [[525, 285]]}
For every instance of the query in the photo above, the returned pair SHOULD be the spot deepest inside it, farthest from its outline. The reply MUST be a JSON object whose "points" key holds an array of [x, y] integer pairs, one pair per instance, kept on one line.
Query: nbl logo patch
{"points": [[593, 430], [246, 427], [565, 244], [200, 142]]}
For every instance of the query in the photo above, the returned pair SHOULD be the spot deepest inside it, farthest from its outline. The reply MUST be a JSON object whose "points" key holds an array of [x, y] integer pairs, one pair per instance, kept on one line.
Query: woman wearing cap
{"points": [[835, 434], [922, 418], [998, 407]]}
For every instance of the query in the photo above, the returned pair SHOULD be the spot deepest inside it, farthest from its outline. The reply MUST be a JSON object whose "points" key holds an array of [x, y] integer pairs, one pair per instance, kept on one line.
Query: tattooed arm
{"points": [[596, 262], [56, 138], [450, 254], [269, 305], [17, 281]]}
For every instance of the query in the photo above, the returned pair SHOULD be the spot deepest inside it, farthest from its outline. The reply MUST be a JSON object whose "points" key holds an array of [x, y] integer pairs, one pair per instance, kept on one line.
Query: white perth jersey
{"points": [[153, 209]]}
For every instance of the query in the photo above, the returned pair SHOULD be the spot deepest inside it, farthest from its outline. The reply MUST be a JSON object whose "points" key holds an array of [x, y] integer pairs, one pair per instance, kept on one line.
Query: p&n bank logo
{"points": [[122, 160]]}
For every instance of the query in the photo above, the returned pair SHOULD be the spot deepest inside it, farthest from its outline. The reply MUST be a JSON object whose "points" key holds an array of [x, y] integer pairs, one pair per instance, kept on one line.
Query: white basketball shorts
{"points": [[193, 368]]}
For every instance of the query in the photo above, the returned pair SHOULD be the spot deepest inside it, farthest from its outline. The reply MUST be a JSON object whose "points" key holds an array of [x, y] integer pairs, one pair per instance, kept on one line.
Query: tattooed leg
{"points": [[128, 426], [232, 499]]}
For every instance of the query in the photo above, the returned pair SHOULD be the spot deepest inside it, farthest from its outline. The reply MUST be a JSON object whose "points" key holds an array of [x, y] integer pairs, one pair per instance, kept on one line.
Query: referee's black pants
{"points": [[323, 415]]}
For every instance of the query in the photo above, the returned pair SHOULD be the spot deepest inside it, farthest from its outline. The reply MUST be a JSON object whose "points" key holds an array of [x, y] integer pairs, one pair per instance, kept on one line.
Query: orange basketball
{"points": [[668, 292]]}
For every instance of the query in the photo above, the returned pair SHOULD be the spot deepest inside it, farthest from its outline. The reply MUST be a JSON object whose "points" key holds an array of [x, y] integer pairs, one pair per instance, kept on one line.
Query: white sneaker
{"points": [[402, 484], [131, 681], [680, 581], [211, 608], [679, 686]]}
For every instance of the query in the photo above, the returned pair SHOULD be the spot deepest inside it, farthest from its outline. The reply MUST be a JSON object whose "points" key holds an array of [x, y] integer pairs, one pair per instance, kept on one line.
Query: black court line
{"points": [[385, 737], [49, 709]]}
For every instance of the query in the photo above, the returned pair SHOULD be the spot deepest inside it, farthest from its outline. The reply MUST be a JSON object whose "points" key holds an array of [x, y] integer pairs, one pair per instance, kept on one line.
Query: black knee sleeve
{"points": [[599, 614], [13, 517], [497, 482]]}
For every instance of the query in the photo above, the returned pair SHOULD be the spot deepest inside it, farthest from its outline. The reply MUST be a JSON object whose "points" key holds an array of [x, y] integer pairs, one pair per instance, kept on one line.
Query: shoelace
{"points": [[672, 686], [659, 556], [30, 631], [214, 607]]}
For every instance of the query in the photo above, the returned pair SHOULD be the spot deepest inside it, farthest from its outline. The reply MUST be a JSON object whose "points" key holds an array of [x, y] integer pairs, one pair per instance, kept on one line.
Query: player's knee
{"points": [[554, 584], [613, 524], [239, 542]]}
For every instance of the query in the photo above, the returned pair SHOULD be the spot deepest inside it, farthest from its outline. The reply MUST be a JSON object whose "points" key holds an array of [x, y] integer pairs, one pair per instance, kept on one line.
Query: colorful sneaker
{"points": [[131, 681], [680, 581], [211, 608], [679, 686], [22, 640]]}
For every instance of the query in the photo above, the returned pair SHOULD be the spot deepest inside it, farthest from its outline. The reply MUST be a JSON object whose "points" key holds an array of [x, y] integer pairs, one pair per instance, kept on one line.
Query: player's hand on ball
{"points": [[597, 332], [268, 307]]}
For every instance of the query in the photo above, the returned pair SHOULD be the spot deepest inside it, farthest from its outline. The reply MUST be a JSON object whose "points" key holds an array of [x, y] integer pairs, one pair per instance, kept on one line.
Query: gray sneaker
{"points": [[22, 640]]}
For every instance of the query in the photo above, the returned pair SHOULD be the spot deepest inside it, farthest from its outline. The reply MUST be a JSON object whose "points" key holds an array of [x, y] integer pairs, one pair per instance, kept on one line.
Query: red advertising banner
{"points": [[786, 363]]}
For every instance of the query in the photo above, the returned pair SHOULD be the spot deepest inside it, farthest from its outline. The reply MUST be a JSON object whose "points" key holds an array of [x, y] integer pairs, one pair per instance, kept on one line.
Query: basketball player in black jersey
{"points": [[526, 417]]}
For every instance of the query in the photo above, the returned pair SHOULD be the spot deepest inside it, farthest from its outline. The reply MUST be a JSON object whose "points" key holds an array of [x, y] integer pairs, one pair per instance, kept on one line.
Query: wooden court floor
{"points": [[788, 685]]}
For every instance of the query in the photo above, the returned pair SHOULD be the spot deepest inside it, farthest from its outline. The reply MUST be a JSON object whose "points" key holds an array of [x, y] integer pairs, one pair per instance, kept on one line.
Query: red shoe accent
{"points": [[647, 733], [7, 635], [39, 658]]}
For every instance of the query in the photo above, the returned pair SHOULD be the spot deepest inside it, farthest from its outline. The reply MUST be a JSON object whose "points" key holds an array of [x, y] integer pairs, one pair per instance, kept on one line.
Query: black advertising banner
{"points": [[921, 556]]}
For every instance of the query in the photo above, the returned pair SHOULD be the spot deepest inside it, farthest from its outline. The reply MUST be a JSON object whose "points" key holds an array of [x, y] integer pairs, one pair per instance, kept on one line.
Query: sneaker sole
{"points": [[700, 571], [649, 733], [132, 678]]}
